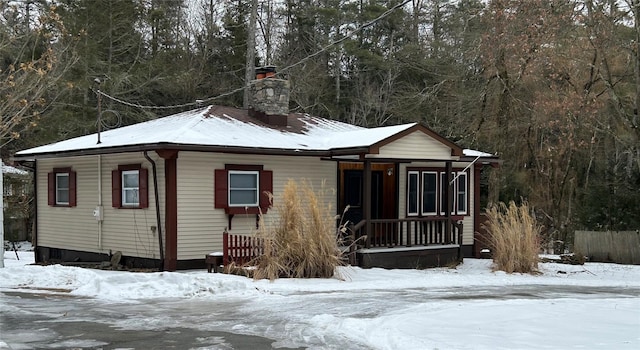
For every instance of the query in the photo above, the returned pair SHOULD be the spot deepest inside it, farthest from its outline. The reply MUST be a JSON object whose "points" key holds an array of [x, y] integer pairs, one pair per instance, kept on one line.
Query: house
{"points": [[162, 192], [17, 185]]}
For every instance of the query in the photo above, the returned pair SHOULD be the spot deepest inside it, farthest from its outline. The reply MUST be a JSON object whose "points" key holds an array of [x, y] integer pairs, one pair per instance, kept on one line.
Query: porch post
{"points": [[448, 198], [366, 200], [477, 169], [171, 208]]}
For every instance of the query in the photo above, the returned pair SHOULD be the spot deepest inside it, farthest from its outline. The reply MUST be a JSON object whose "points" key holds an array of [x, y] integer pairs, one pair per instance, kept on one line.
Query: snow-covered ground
{"points": [[595, 306]]}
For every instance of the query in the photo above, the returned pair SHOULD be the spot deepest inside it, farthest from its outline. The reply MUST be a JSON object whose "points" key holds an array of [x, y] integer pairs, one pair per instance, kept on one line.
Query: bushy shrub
{"points": [[513, 237], [302, 242]]}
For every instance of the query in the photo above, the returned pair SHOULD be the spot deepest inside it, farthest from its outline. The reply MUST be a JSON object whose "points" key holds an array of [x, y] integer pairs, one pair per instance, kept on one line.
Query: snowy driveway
{"points": [[39, 321], [55, 321], [595, 306]]}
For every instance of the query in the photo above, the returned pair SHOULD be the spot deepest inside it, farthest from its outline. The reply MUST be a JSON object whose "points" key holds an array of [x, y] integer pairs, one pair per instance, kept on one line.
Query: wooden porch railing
{"points": [[385, 233], [408, 232], [240, 249]]}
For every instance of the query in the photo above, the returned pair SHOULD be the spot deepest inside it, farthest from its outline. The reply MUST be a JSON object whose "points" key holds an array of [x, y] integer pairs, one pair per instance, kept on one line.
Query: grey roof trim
{"points": [[188, 147]]}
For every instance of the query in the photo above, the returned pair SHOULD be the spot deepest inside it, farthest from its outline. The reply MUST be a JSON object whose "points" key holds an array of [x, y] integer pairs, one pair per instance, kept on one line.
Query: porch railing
{"points": [[408, 232], [385, 233]]}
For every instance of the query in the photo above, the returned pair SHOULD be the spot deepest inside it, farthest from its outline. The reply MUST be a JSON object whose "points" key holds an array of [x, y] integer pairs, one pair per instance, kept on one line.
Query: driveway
{"points": [[59, 321], [44, 321]]}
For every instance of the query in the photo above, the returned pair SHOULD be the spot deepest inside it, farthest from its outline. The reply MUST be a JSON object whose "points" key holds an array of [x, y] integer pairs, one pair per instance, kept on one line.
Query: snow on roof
{"points": [[212, 126], [473, 153], [8, 169]]}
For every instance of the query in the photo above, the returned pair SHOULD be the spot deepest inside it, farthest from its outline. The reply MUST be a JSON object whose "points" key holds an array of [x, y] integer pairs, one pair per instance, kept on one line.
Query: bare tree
{"points": [[28, 79]]}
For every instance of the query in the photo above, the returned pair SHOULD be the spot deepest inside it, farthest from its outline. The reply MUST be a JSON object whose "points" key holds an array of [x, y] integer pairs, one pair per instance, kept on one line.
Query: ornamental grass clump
{"points": [[302, 241], [514, 237]]}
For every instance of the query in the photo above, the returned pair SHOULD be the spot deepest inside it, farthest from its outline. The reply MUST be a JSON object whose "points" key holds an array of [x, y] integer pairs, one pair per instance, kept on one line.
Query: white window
{"points": [[243, 188], [461, 193], [412, 193], [131, 188], [62, 188], [426, 192], [429, 192]]}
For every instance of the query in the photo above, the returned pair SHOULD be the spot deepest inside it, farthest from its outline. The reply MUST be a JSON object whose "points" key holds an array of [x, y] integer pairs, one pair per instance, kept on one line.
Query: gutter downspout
{"points": [[158, 221], [98, 213]]}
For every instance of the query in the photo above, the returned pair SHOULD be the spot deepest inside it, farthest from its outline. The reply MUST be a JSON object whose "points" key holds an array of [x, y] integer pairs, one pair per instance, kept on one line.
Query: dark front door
{"points": [[352, 195]]}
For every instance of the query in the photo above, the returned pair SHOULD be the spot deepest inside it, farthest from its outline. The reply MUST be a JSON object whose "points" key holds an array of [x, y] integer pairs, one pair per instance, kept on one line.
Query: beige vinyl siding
{"points": [[125, 230], [415, 145], [200, 225], [467, 231], [63, 227]]}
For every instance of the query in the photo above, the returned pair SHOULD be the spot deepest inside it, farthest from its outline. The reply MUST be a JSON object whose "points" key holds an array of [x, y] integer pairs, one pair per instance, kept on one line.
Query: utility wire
{"points": [[347, 36], [136, 105], [282, 71]]}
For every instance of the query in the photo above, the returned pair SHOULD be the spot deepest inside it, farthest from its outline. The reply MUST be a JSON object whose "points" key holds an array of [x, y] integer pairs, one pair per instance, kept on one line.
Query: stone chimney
{"points": [[269, 97]]}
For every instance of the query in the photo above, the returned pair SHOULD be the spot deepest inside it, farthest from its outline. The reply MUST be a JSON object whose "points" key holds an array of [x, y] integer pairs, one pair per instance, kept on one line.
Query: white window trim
{"points": [[58, 188], [462, 176], [417, 174], [125, 189], [257, 189], [431, 213], [456, 177]]}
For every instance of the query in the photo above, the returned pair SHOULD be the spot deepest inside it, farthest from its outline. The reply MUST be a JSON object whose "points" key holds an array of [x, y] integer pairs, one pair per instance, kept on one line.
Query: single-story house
{"points": [[162, 192]]}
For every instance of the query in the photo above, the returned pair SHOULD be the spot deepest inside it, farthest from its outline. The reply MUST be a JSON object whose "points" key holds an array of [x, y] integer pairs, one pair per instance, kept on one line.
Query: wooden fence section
{"points": [[621, 247], [240, 249]]}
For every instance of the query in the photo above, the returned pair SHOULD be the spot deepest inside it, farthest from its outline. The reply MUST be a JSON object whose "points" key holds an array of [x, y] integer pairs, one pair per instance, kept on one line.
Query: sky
{"points": [[591, 306]]}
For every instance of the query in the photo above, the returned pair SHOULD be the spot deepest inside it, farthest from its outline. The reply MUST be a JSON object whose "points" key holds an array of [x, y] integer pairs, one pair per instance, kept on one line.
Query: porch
{"points": [[393, 220], [393, 243], [405, 243]]}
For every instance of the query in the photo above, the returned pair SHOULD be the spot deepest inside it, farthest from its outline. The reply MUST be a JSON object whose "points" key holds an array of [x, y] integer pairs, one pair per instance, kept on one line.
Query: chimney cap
{"points": [[265, 69]]}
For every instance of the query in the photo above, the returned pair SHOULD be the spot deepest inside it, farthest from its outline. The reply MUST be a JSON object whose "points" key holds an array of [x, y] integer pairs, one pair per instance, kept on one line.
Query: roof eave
{"points": [[190, 147], [493, 161]]}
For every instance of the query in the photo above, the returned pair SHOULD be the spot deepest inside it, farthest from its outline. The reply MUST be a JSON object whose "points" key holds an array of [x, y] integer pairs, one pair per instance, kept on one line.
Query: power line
{"points": [[344, 38], [281, 71], [136, 105]]}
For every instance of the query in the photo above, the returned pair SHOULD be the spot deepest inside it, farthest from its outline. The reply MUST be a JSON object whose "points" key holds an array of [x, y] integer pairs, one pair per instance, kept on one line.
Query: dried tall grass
{"points": [[514, 237], [302, 242]]}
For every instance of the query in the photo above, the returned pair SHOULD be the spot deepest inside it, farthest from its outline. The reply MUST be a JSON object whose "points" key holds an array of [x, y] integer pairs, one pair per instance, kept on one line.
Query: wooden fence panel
{"points": [[621, 247], [241, 249]]}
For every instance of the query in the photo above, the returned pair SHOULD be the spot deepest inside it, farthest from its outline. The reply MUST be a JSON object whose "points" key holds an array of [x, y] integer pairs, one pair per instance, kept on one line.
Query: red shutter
{"points": [[221, 188], [116, 192], [72, 189], [51, 189], [266, 189], [144, 188]]}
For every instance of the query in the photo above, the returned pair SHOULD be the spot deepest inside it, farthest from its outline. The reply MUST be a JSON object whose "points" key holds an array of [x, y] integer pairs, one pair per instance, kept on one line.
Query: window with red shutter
{"points": [[130, 187], [243, 189], [61, 188]]}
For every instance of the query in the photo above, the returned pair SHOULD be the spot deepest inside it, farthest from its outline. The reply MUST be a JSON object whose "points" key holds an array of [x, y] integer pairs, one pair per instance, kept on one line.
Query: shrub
{"points": [[302, 241], [513, 237]]}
